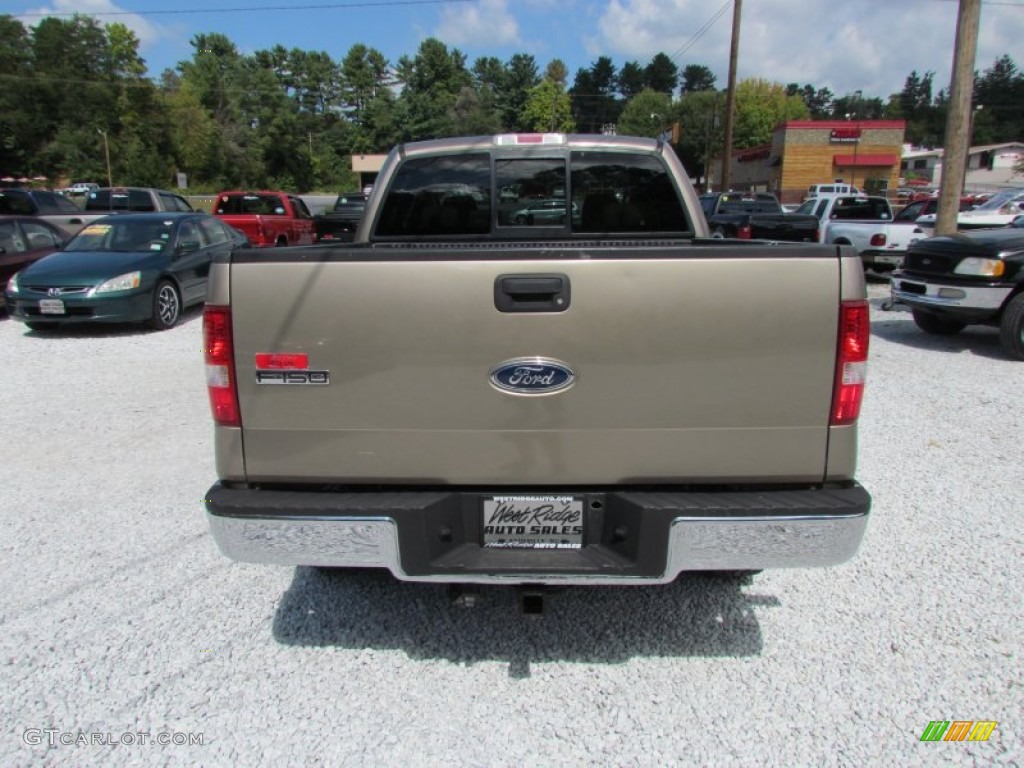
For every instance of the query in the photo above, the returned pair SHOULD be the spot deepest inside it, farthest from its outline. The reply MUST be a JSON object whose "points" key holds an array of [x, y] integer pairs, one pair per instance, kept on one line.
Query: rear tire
{"points": [[1011, 328], [937, 326], [166, 306]]}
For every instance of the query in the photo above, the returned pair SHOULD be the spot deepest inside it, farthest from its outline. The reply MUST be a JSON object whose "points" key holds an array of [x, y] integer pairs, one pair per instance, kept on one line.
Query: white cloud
{"points": [[147, 32], [484, 23], [869, 45]]}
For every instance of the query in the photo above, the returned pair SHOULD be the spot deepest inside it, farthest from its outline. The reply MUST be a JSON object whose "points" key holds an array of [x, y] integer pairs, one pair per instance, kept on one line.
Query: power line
{"points": [[246, 9], [700, 32]]}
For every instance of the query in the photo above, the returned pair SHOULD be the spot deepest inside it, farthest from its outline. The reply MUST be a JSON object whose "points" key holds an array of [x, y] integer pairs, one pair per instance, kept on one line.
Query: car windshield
{"points": [[122, 236], [997, 201]]}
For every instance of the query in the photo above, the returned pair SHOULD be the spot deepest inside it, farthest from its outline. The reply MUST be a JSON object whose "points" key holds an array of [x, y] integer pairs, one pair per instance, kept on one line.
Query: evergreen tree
{"points": [[697, 78], [661, 75]]}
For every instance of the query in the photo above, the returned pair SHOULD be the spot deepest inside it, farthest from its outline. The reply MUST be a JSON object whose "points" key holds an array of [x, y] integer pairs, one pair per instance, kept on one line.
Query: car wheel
{"points": [[36, 326], [1011, 328], [166, 306], [281, 242], [937, 326], [718, 234]]}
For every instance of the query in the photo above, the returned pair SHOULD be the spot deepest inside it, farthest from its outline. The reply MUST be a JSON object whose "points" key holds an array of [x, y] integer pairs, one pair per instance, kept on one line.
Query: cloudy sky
{"points": [[844, 45]]}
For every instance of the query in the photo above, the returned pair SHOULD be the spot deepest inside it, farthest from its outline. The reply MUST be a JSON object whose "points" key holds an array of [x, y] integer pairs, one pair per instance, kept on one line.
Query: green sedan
{"points": [[128, 268]]}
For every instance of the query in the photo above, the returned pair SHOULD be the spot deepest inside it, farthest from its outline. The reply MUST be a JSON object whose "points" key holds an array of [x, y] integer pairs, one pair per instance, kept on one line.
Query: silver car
{"points": [[549, 211]]}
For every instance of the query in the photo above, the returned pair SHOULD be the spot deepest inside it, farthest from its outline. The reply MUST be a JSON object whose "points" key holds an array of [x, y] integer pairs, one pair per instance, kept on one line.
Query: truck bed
{"points": [[408, 338]]}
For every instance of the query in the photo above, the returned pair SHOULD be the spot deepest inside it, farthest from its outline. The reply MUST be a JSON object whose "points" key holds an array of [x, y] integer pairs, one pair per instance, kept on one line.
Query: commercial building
{"points": [[366, 167], [864, 153], [990, 167]]}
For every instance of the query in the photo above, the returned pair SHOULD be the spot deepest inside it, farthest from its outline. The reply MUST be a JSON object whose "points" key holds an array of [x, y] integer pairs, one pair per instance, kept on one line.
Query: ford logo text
{"points": [[532, 376]]}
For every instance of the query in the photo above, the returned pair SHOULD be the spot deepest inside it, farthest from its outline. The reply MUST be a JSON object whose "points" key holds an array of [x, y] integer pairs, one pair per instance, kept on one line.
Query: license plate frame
{"points": [[51, 307], [533, 521]]}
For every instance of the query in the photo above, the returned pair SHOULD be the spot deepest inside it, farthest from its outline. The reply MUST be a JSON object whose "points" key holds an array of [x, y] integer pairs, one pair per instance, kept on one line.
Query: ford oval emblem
{"points": [[532, 376]]}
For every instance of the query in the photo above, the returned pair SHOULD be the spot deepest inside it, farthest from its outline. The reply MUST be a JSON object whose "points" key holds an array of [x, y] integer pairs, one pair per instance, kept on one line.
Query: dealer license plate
{"points": [[896, 260], [51, 307], [533, 522]]}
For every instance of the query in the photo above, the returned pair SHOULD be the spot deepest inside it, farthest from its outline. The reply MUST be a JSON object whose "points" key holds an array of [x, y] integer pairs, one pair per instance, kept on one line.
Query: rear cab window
{"points": [[171, 202], [51, 202], [547, 195], [120, 200], [16, 202], [301, 211], [248, 205], [873, 208], [747, 203]]}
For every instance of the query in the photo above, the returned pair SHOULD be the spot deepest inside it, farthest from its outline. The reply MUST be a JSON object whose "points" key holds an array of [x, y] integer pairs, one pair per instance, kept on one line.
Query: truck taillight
{"points": [[877, 240], [219, 353], [744, 232], [851, 362]]}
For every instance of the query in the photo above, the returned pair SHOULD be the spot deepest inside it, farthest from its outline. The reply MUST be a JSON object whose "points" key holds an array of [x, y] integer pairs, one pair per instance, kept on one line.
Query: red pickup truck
{"points": [[267, 218]]}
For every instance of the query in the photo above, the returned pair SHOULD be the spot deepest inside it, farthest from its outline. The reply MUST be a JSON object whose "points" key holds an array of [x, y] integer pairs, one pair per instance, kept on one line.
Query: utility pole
{"points": [[106, 152], [954, 160], [857, 95], [712, 123], [730, 95]]}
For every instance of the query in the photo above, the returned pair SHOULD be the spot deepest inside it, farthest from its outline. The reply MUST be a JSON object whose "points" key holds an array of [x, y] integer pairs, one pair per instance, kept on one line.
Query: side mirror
{"points": [[188, 246]]}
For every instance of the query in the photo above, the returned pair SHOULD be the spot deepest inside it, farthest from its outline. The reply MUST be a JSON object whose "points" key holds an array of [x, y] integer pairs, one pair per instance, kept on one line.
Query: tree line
{"points": [[292, 119]]}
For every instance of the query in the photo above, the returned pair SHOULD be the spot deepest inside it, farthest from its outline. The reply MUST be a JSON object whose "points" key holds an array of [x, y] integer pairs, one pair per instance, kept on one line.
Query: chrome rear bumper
{"points": [[691, 542]]}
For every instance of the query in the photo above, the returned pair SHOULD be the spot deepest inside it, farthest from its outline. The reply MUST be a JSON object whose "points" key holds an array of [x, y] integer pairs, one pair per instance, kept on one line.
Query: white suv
{"points": [[80, 188]]}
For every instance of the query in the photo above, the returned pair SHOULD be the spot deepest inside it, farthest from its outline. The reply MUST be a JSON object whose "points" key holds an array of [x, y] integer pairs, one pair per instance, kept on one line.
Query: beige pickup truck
{"points": [[608, 396]]}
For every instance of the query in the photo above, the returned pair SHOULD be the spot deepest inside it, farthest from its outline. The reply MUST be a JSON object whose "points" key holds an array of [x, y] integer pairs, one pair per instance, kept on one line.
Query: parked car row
{"points": [[756, 215], [341, 221], [974, 277], [268, 218], [970, 278], [99, 202], [131, 267], [147, 264], [128, 254], [23, 240], [999, 210]]}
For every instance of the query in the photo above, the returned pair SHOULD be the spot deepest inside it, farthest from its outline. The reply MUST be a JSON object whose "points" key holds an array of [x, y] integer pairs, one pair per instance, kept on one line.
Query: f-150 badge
{"points": [[287, 368], [293, 377], [532, 376]]}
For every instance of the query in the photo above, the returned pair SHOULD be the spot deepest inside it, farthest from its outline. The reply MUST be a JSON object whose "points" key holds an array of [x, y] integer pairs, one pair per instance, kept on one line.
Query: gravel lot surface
{"points": [[120, 617]]}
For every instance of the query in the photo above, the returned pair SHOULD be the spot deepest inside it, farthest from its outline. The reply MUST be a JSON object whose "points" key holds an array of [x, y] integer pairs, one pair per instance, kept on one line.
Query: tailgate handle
{"points": [[531, 293]]}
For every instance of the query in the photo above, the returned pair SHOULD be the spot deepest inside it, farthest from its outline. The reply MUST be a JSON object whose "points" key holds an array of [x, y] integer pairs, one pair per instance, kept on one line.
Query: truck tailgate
{"points": [[705, 367]]}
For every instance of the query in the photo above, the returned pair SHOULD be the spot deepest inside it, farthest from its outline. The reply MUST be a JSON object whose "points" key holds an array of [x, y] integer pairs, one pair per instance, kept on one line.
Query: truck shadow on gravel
{"points": [[898, 326], [694, 616]]}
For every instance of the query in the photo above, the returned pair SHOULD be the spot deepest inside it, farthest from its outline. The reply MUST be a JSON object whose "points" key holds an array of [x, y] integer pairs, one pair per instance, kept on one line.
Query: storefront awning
{"points": [[859, 161]]}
